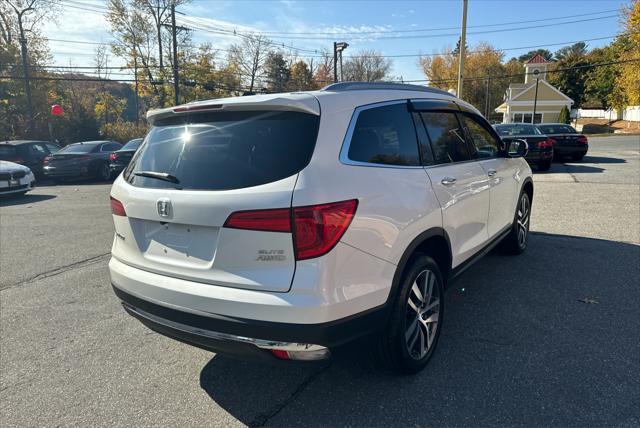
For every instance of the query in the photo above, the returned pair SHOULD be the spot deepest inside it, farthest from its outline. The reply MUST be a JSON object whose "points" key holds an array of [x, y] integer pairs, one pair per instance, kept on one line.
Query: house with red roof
{"points": [[536, 93]]}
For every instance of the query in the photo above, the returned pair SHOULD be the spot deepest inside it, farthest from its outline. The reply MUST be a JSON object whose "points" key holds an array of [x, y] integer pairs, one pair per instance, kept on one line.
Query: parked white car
{"points": [[286, 225], [15, 178]]}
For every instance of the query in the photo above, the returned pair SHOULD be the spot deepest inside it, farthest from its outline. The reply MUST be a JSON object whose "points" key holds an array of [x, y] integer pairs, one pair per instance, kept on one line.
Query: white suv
{"points": [[286, 225]]}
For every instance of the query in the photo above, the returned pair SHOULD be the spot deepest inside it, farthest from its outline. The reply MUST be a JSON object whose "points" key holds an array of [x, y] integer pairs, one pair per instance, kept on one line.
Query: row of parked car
{"points": [[547, 141], [24, 161]]}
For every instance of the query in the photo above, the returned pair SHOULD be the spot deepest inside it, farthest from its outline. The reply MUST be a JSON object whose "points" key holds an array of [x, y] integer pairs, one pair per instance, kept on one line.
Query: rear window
{"points": [[7, 152], [517, 129], [133, 144], [225, 150], [78, 148], [557, 129]]}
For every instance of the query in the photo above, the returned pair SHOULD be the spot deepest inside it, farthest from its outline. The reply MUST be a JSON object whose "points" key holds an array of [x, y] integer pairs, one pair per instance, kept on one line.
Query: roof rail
{"points": [[361, 86]]}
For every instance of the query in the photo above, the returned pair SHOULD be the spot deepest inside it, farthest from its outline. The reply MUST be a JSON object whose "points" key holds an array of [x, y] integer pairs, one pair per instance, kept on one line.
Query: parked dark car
{"points": [[540, 145], [29, 153], [89, 159], [120, 159], [569, 142]]}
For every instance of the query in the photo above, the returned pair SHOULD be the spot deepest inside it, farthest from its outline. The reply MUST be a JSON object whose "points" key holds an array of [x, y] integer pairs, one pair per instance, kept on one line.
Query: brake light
{"points": [[316, 228], [112, 157], [275, 220], [278, 353], [582, 139], [545, 144], [117, 208], [45, 161]]}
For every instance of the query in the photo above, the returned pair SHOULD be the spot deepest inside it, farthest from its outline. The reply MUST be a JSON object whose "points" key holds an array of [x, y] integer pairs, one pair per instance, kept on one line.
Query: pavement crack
{"points": [[262, 419], [58, 270]]}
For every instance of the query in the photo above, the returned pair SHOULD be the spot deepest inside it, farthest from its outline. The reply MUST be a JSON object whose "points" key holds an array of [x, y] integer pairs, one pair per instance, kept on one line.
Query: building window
{"points": [[526, 118]]}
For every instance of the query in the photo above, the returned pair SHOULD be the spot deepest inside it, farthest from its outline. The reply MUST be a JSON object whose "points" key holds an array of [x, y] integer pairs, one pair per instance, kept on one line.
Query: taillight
{"points": [[117, 208], [45, 161], [316, 228], [582, 139], [277, 220], [112, 157], [545, 144]]}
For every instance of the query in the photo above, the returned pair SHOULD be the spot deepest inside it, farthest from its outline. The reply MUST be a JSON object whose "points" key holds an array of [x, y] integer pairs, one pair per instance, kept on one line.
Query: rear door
{"points": [[218, 163], [501, 172], [460, 184]]}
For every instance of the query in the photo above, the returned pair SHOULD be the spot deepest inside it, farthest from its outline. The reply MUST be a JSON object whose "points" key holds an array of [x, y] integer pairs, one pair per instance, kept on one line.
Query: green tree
{"points": [[569, 78], [277, 72]]}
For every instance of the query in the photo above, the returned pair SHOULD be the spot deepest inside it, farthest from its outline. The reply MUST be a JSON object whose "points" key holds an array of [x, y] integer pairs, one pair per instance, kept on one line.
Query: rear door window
{"points": [[225, 150], [385, 135], [7, 152], [78, 149], [446, 136]]}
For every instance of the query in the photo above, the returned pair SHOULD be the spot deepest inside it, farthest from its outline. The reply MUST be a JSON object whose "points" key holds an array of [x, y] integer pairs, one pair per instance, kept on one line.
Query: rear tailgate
{"points": [[221, 163]]}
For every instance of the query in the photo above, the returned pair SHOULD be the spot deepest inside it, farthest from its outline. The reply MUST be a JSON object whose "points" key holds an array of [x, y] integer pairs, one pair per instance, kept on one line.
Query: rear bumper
{"points": [[537, 156], [79, 171], [571, 150], [245, 337]]}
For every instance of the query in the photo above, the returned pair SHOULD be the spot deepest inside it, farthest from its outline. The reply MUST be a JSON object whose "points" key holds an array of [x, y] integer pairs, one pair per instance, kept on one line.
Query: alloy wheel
{"points": [[523, 220], [423, 314]]}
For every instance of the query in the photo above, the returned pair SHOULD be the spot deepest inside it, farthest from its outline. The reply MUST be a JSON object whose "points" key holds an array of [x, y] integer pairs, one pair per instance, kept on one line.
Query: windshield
{"points": [[557, 129], [224, 150], [77, 148], [517, 129], [133, 144]]}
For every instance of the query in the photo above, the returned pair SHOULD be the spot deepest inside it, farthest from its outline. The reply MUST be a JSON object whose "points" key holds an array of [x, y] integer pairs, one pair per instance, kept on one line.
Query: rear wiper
{"points": [[159, 175]]}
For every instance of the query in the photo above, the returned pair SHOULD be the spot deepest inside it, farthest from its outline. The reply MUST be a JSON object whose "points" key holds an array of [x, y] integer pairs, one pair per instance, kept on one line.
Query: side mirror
{"points": [[517, 148]]}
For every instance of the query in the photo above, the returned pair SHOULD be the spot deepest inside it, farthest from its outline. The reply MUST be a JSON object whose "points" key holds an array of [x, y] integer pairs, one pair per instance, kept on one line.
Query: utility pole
{"points": [[176, 88], [335, 62], [463, 41], [535, 99], [25, 67], [135, 71], [341, 79], [486, 99], [159, 33]]}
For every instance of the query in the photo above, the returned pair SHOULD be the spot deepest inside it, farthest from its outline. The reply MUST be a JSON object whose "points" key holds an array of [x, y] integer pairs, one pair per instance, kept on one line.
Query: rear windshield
{"points": [[557, 129], [516, 129], [78, 148], [225, 150], [133, 144], [7, 152]]}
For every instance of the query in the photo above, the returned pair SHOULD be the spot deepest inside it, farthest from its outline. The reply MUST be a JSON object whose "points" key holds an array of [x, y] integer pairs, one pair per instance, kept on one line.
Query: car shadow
{"points": [[546, 338], [11, 200], [582, 169], [601, 159]]}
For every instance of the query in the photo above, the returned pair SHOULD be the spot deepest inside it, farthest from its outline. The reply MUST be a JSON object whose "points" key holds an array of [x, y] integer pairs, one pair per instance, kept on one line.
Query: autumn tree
{"points": [[628, 80], [301, 77]]}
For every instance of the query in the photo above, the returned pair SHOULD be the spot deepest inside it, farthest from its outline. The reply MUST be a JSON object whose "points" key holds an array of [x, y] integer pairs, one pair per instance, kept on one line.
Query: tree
{"points": [[301, 77], [600, 82], [628, 79], [456, 50], [250, 56], [544, 53], [277, 73], [577, 50], [366, 66], [323, 74], [564, 116], [27, 14]]}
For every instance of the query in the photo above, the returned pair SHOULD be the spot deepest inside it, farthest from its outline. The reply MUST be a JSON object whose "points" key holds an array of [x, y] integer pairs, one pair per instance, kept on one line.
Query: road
{"points": [[520, 345]]}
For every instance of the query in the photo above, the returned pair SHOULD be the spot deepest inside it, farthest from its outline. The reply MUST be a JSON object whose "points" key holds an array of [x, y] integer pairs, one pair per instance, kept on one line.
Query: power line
{"points": [[414, 30]]}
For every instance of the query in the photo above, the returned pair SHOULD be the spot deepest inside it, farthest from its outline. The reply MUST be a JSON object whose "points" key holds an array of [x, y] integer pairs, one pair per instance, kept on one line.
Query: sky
{"points": [[389, 27]]}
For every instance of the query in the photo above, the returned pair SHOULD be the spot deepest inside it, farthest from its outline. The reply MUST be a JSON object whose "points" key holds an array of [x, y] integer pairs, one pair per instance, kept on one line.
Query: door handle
{"points": [[492, 172], [447, 181]]}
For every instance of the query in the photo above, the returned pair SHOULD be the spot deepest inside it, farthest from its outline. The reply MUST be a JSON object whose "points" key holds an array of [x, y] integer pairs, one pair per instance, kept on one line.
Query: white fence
{"points": [[630, 113]]}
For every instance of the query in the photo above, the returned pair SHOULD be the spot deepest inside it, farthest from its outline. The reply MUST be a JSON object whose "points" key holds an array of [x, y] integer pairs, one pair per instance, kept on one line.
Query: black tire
{"points": [[577, 158], [400, 345], [104, 172], [544, 166], [513, 243]]}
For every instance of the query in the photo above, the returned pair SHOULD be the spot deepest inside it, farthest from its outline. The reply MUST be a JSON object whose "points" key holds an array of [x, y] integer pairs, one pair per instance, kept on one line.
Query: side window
{"points": [[423, 139], [446, 136], [109, 147], [482, 142], [385, 135]]}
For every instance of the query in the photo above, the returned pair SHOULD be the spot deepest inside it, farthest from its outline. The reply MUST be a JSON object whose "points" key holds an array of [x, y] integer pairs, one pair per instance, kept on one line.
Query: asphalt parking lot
{"points": [[548, 338]]}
